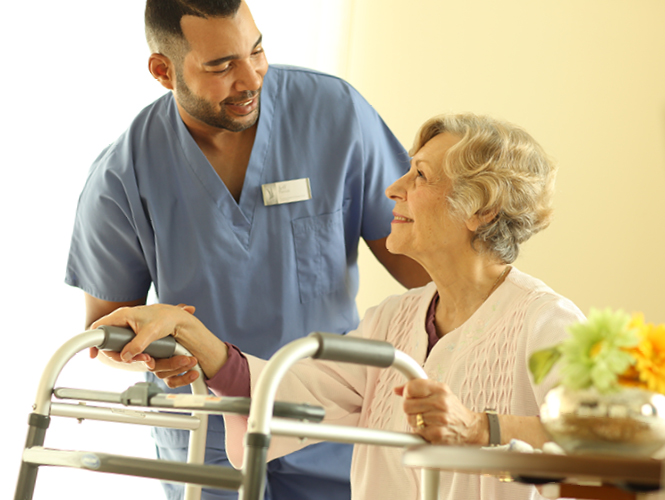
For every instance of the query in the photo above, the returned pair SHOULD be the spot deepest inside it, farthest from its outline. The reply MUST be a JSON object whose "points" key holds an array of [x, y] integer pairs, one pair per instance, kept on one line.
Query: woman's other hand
{"points": [[436, 414]]}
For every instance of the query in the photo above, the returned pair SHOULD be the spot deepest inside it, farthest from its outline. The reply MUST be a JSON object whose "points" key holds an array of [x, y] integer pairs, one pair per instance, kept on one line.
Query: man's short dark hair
{"points": [[162, 22]]}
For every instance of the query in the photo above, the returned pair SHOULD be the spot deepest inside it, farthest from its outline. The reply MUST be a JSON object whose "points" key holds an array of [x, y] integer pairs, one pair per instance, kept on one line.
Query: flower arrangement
{"points": [[608, 351]]}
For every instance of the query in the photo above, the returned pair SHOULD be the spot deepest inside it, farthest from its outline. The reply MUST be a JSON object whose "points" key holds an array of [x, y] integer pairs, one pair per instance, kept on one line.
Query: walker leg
{"points": [[429, 482], [196, 453], [254, 466], [37, 425]]}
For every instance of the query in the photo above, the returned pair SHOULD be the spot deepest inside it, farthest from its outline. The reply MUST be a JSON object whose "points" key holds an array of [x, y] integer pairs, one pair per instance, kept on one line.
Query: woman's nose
{"points": [[396, 190]]}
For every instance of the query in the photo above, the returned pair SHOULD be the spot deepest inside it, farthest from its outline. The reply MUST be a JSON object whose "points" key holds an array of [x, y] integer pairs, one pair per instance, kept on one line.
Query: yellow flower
{"points": [[649, 369]]}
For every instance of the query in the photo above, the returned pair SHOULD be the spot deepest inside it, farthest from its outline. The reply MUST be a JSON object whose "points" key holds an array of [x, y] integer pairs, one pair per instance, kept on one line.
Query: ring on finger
{"points": [[420, 422]]}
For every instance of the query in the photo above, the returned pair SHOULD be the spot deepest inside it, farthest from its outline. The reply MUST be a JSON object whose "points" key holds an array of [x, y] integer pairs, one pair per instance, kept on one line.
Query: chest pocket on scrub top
{"points": [[320, 254]]}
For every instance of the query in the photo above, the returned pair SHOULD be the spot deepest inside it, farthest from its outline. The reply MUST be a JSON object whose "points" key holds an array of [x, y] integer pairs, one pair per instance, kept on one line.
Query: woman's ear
{"points": [[162, 69], [480, 219]]}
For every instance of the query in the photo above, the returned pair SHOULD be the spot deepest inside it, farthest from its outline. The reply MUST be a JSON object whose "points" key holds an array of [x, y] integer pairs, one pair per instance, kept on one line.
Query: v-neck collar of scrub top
{"points": [[240, 214]]}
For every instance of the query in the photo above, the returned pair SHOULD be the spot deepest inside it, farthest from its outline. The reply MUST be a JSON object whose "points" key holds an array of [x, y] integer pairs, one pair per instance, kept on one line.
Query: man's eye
{"points": [[223, 70]]}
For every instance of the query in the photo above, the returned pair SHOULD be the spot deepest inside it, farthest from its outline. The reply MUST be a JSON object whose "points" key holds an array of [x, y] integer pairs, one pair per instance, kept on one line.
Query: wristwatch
{"points": [[494, 427]]}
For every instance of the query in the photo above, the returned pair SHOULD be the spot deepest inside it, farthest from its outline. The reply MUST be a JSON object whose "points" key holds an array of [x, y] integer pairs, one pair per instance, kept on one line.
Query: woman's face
{"points": [[422, 226]]}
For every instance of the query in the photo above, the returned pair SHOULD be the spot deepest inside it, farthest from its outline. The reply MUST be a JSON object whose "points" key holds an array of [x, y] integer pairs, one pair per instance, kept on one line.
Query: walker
{"points": [[266, 417]]}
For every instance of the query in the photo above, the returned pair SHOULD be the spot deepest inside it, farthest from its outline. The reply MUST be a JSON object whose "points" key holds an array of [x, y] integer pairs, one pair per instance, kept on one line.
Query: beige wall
{"points": [[585, 77]]}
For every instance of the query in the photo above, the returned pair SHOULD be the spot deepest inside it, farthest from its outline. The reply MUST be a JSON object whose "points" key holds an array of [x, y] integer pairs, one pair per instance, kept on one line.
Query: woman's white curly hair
{"points": [[498, 172]]}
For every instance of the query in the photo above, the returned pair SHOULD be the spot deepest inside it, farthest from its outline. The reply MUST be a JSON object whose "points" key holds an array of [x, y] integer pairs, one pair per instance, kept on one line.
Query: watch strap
{"points": [[494, 427]]}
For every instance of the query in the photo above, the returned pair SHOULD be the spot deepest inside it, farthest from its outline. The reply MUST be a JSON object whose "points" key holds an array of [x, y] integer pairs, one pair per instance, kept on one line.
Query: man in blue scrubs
{"points": [[243, 191]]}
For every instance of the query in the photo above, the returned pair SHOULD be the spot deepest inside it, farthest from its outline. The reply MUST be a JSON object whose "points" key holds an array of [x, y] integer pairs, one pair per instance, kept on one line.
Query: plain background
{"points": [[586, 78]]}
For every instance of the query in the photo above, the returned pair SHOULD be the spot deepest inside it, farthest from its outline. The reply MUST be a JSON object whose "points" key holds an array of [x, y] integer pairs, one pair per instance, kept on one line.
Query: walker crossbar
{"points": [[353, 435], [190, 402], [205, 475]]}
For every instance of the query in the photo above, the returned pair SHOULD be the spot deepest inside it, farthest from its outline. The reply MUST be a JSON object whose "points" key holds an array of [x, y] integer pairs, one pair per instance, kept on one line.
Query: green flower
{"points": [[594, 355], [541, 362]]}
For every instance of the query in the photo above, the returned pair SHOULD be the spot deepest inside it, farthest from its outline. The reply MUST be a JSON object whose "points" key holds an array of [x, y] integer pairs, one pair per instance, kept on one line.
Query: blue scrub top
{"points": [[154, 211]]}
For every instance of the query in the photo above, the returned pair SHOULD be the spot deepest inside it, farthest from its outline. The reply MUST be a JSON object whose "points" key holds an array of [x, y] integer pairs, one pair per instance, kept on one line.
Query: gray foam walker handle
{"points": [[115, 338], [334, 347]]}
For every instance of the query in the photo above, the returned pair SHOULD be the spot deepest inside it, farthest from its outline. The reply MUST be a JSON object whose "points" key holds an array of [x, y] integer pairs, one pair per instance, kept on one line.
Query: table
{"points": [[611, 477]]}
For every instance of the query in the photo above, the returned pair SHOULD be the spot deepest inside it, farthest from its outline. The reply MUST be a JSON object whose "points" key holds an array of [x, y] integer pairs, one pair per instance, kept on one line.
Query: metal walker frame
{"points": [[266, 417]]}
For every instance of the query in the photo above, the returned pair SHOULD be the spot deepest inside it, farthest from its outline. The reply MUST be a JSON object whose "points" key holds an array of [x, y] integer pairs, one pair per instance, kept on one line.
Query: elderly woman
{"points": [[477, 188]]}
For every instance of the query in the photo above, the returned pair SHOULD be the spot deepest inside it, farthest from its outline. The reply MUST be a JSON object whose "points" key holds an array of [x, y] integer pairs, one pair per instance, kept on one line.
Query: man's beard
{"points": [[203, 111]]}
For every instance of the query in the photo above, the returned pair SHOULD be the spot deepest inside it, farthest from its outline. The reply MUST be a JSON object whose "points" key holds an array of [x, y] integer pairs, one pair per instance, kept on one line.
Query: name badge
{"points": [[278, 193]]}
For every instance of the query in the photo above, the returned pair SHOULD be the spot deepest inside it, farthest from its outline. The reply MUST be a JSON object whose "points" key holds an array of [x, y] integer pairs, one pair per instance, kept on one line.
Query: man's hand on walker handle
{"points": [[156, 321]]}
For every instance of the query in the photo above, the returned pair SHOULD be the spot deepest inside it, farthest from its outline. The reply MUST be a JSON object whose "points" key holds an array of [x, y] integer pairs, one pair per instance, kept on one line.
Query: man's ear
{"points": [[480, 219], [162, 69]]}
